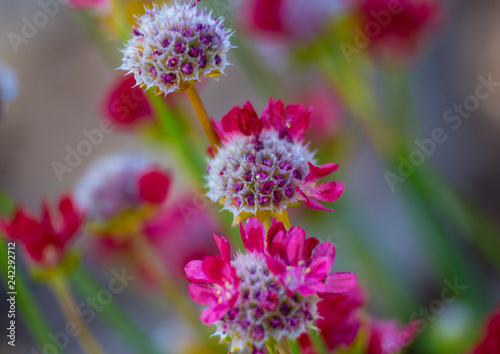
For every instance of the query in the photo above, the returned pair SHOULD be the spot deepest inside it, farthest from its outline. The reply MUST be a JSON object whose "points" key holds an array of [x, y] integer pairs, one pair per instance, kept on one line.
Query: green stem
{"points": [[65, 299]]}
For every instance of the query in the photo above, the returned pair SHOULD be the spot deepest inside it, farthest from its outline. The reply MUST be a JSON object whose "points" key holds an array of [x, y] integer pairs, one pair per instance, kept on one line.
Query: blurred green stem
{"points": [[65, 299]]}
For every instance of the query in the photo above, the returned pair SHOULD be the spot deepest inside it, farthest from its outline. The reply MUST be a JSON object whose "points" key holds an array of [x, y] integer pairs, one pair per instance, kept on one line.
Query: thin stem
{"points": [[202, 114], [283, 346], [65, 298], [144, 255]]}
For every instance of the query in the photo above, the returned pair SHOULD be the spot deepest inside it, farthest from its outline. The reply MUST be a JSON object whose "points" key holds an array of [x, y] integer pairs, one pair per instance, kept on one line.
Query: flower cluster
{"points": [[263, 166], [45, 239], [121, 187], [269, 292], [175, 46]]}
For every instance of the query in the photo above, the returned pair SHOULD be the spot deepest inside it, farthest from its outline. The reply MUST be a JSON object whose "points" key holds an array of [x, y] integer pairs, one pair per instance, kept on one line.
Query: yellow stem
{"points": [[283, 346], [202, 114], [65, 298]]}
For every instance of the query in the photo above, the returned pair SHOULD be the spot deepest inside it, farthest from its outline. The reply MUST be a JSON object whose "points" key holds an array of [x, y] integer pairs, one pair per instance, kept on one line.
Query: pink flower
{"points": [[262, 165], [402, 27], [88, 4], [387, 337], [289, 19], [121, 183], [126, 103], [491, 338], [271, 291], [45, 239], [339, 323]]}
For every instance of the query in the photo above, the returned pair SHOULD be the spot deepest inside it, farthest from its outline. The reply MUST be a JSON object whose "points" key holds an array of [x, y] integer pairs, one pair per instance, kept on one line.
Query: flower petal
{"points": [[253, 235], [153, 186], [224, 247], [202, 294], [213, 313], [327, 191], [311, 203], [295, 246], [194, 272], [340, 282], [316, 173]]}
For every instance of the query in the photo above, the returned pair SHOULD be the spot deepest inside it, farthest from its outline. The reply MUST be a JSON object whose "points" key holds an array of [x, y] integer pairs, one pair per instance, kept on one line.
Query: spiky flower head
{"points": [[270, 291], [120, 190], [175, 46], [263, 166]]}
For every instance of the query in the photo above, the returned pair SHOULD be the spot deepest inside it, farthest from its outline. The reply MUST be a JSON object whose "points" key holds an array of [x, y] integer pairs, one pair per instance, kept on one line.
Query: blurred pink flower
{"points": [[126, 103], [88, 4], [271, 291], [339, 323], [289, 19], [401, 26], [263, 166], [490, 342], [387, 337], [328, 114], [45, 239], [121, 183]]}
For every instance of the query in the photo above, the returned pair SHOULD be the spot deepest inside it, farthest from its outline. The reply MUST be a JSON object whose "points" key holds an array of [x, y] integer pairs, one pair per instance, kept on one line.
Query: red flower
{"points": [[45, 239], [399, 29], [491, 341], [126, 103], [339, 323]]}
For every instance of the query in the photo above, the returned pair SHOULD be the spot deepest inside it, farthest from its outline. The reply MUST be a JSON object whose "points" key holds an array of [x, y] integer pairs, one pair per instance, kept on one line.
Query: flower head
{"points": [[263, 166], [269, 292], [491, 339], [122, 187], [47, 238], [8, 87], [175, 46], [405, 25]]}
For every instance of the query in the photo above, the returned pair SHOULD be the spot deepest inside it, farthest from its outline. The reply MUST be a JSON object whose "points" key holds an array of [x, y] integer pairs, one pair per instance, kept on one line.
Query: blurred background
{"points": [[65, 74]]}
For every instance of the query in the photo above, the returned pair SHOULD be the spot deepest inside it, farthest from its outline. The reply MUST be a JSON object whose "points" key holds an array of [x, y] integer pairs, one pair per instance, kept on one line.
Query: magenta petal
{"points": [[300, 122], [154, 185], [316, 173], [340, 282], [276, 266], [224, 247], [213, 267], [194, 272], [295, 246], [310, 244], [311, 203], [325, 249], [327, 191], [202, 294], [255, 235], [319, 268], [213, 313]]}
